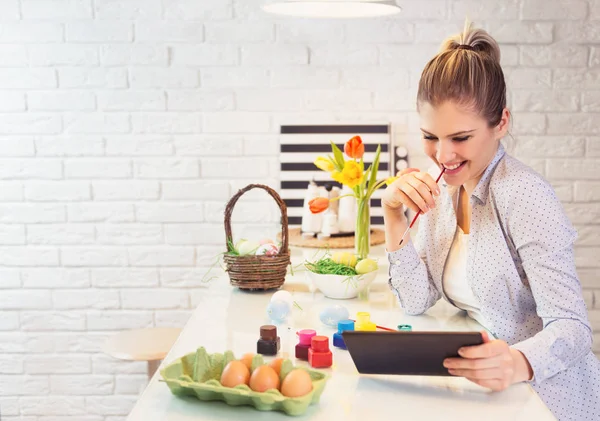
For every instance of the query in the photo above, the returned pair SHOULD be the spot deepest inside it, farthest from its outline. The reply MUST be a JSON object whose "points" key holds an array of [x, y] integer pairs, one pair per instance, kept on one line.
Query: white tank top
{"points": [[454, 278]]}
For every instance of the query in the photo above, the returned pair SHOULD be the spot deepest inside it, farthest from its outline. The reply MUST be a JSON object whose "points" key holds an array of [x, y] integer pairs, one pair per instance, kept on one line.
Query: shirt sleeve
{"points": [[410, 280], [544, 237]]}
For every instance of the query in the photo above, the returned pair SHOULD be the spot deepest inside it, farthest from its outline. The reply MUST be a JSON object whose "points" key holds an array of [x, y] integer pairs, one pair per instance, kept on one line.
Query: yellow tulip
{"points": [[350, 176], [324, 164], [390, 180]]}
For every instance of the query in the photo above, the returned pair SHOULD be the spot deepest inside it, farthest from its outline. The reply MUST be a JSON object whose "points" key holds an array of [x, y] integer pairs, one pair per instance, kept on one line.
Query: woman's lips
{"points": [[453, 168]]}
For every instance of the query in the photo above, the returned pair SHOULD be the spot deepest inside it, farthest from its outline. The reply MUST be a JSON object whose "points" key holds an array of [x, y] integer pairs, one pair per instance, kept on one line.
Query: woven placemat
{"points": [[296, 239]]}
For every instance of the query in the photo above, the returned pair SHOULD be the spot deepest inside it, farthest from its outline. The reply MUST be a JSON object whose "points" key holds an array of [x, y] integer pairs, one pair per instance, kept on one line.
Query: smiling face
{"points": [[460, 141]]}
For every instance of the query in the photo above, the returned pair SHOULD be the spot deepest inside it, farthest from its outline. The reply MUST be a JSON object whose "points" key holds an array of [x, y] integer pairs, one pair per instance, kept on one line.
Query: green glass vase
{"points": [[362, 233]]}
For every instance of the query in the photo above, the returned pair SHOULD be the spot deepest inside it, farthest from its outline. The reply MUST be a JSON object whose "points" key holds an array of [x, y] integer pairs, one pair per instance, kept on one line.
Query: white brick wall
{"points": [[125, 125]]}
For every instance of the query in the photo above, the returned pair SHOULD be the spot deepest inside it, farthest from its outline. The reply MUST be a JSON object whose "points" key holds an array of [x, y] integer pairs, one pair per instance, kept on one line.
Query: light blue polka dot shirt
{"points": [[521, 268]]}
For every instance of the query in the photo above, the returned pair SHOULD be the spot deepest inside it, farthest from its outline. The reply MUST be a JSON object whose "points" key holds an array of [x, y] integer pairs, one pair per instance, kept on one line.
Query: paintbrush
{"points": [[418, 213], [380, 327]]}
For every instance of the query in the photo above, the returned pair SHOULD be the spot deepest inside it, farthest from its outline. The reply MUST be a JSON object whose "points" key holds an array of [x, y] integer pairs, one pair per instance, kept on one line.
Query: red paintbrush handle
{"points": [[380, 327], [385, 328], [420, 212], [415, 219]]}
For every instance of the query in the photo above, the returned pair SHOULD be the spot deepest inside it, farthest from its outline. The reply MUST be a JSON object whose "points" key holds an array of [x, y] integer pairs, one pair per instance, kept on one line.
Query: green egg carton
{"points": [[198, 374]]}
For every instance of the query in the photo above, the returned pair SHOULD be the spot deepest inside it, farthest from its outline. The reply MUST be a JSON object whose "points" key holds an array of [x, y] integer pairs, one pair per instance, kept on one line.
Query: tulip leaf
{"points": [[374, 168], [339, 156], [365, 174]]}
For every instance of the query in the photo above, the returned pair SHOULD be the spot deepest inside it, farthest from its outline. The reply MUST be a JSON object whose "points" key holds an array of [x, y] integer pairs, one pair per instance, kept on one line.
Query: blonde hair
{"points": [[466, 71]]}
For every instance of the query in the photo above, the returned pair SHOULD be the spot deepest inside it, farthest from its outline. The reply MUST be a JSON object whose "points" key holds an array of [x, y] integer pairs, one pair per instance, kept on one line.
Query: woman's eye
{"points": [[429, 137], [461, 139]]}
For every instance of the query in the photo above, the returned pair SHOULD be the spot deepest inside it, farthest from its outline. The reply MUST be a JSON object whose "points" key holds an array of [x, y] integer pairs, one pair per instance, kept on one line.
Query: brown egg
{"points": [[235, 373], [264, 378], [247, 360], [276, 365], [296, 383]]}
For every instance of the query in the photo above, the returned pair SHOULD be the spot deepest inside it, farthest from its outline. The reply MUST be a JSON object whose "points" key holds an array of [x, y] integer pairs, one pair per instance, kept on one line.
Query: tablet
{"points": [[408, 353]]}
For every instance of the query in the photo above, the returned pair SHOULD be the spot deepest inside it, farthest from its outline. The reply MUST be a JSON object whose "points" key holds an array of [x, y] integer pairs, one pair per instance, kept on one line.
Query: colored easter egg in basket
{"points": [[278, 310], [266, 241], [333, 314], [245, 247], [268, 249]]}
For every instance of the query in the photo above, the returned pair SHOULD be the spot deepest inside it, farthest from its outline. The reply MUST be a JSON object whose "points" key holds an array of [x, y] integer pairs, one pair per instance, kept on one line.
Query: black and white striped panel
{"points": [[300, 145]]}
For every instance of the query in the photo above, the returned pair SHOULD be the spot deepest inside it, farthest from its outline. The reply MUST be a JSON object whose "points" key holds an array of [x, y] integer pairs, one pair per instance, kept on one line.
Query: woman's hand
{"points": [[413, 189], [493, 364]]}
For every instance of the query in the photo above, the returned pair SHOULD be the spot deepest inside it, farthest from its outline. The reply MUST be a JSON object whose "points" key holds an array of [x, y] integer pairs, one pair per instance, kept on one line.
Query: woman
{"points": [[493, 238]]}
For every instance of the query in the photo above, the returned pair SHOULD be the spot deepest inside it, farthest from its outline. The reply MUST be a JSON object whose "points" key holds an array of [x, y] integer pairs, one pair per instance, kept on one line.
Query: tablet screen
{"points": [[407, 353]]}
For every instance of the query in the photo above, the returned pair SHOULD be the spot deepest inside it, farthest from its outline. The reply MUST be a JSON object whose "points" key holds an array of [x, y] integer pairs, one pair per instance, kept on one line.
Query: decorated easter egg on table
{"points": [[283, 296], [333, 314], [278, 311], [268, 249]]}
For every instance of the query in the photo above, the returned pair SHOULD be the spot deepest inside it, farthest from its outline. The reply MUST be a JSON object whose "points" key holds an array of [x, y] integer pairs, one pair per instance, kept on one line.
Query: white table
{"points": [[228, 318]]}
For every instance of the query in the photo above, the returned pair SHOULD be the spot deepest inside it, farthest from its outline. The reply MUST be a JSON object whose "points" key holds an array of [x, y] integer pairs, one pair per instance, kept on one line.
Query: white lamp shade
{"points": [[332, 8]]}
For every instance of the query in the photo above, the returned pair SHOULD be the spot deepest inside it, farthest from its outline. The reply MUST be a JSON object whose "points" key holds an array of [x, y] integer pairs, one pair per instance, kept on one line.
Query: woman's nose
{"points": [[444, 153]]}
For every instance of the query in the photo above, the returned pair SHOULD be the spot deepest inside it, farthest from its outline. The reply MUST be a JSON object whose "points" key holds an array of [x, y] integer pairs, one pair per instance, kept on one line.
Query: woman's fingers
{"points": [[429, 181], [423, 191], [405, 199], [414, 196], [485, 350], [391, 196], [394, 197], [413, 189], [472, 364], [482, 374]]}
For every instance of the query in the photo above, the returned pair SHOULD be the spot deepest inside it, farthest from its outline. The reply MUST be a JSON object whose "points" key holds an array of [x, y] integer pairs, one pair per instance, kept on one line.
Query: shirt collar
{"points": [[482, 189]]}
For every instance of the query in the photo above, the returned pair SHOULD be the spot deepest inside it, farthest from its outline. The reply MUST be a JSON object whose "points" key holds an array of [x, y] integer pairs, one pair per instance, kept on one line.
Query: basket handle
{"points": [[280, 203]]}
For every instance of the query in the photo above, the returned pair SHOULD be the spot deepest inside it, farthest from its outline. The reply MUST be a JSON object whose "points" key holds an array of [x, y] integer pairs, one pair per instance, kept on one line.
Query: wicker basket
{"points": [[252, 272]]}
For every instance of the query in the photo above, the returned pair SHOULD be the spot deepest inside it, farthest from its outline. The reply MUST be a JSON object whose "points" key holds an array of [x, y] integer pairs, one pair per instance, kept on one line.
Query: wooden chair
{"points": [[149, 344]]}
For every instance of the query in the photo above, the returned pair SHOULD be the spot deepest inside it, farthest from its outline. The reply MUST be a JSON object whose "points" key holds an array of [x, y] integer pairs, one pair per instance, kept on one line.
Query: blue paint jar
{"points": [[338, 340]]}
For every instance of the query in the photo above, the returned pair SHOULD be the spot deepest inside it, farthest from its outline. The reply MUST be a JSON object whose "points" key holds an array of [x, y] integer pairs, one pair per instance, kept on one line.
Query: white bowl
{"points": [[340, 286]]}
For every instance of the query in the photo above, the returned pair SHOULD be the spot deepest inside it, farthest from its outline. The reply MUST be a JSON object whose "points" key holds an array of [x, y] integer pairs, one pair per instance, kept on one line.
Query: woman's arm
{"points": [[566, 336], [543, 237], [409, 277]]}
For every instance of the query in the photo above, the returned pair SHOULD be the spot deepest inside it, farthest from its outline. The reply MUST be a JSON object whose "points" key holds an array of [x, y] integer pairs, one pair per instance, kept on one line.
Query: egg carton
{"points": [[198, 373]]}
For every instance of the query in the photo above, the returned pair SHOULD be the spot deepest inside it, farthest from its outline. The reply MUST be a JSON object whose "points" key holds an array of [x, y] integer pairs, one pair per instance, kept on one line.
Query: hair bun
{"points": [[477, 40]]}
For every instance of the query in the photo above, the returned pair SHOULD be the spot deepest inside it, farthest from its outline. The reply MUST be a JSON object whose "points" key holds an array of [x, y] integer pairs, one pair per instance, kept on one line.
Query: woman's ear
{"points": [[502, 128]]}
